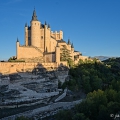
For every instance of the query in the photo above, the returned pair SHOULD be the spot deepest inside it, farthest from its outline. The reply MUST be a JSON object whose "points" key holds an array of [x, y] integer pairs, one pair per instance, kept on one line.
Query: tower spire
{"points": [[17, 39], [48, 25], [72, 46], [45, 23], [69, 42], [34, 17], [26, 24]]}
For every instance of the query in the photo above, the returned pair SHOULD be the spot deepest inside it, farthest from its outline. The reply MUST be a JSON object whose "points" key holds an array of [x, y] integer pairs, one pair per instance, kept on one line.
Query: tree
{"points": [[111, 95], [103, 115], [64, 115], [96, 83], [86, 83], [65, 54], [80, 116]]}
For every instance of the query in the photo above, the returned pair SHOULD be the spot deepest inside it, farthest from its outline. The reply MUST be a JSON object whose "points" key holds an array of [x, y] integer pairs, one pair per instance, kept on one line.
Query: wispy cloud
{"points": [[14, 1]]}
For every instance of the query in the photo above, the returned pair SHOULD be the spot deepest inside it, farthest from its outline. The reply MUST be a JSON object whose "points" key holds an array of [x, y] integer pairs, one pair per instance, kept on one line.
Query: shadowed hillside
{"points": [[23, 91]]}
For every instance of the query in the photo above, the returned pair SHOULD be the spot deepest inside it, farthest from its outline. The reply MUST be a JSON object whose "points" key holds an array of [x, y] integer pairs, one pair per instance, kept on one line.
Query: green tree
{"points": [[111, 95], [64, 115], [103, 115], [96, 83], [65, 54], [86, 83], [80, 116]]}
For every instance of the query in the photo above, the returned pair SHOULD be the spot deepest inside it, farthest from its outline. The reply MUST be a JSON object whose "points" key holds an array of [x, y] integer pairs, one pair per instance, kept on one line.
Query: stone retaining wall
{"points": [[14, 67]]}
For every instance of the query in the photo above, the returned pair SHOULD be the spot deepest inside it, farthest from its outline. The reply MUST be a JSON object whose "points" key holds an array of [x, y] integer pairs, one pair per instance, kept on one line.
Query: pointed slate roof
{"points": [[61, 41], [72, 46], [17, 39], [25, 24], [48, 25], [69, 42], [45, 23], [34, 17]]}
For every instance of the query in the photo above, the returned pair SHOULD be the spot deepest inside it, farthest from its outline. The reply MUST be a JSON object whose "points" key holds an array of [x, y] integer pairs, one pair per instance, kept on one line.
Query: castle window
{"points": [[35, 23], [41, 37], [29, 38]]}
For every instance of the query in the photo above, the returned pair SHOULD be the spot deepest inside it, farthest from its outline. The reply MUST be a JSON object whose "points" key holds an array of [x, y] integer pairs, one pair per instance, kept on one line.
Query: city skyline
{"points": [[92, 26]]}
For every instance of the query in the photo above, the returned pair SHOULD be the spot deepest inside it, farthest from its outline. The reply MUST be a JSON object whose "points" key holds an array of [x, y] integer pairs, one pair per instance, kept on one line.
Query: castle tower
{"points": [[47, 37], [35, 30], [61, 35], [26, 35], [72, 51], [49, 34], [17, 48], [69, 44]]}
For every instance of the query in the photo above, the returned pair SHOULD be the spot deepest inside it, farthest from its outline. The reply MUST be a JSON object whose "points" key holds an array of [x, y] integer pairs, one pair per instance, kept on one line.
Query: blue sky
{"points": [[92, 25]]}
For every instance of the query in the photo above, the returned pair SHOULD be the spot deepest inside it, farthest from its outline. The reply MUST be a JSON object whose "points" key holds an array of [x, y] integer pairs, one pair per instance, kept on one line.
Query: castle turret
{"points": [[55, 34], [17, 40], [72, 51], [26, 34], [47, 37], [69, 44], [17, 48], [72, 46], [35, 31], [45, 23], [61, 35], [48, 26], [25, 24]]}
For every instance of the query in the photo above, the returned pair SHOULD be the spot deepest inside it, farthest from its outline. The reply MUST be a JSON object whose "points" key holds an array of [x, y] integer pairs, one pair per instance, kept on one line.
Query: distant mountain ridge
{"points": [[102, 58]]}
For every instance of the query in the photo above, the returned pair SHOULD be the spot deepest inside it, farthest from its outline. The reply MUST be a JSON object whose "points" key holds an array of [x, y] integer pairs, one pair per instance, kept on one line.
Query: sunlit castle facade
{"points": [[43, 45]]}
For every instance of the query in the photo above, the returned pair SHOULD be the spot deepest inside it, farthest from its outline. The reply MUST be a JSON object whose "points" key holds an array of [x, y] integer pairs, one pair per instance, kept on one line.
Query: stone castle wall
{"points": [[14, 67], [81, 58], [50, 57], [57, 35], [28, 52]]}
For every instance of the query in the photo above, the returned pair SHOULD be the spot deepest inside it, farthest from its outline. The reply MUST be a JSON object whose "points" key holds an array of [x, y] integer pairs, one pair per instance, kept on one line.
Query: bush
{"points": [[16, 60]]}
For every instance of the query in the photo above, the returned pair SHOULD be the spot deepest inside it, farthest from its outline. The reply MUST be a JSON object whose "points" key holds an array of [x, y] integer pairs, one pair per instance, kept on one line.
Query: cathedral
{"points": [[43, 45]]}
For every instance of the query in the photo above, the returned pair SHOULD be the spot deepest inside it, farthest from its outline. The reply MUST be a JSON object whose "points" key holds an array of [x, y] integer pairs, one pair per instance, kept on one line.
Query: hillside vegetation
{"points": [[101, 82]]}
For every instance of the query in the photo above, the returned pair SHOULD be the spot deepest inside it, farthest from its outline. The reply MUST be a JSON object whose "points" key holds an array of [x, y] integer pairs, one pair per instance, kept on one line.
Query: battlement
{"points": [[57, 35]]}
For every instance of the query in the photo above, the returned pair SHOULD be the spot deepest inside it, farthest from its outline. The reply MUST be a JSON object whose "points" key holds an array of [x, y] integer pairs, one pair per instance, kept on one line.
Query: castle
{"points": [[42, 48], [43, 45]]}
